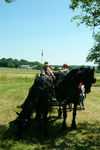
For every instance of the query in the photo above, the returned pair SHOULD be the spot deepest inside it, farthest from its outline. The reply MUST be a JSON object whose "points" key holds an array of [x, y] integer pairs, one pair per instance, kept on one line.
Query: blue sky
{"points": [[28, 26]]}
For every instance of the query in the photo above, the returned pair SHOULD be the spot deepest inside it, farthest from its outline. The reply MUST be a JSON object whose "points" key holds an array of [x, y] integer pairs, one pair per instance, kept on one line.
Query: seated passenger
{"points": [[59, 69], [65, 70], [46, 71]]}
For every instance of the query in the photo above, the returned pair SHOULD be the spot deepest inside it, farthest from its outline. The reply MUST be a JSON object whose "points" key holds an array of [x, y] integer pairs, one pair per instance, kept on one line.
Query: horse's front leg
{"points": [[74, 117], [64, 117], [45, 132], [59, 112]]}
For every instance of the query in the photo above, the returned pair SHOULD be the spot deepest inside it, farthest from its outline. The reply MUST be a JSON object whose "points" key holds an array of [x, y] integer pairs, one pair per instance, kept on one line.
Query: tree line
{"points": [[15, 63]]}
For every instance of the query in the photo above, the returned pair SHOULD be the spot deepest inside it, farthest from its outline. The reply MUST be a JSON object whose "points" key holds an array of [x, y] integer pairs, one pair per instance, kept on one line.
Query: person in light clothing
{"points": [[65, 68], [82, 95], [59, 69]]}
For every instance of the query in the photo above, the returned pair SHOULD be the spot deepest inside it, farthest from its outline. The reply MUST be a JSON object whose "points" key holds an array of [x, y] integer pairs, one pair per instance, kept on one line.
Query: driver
{"points": [[47, 71]]}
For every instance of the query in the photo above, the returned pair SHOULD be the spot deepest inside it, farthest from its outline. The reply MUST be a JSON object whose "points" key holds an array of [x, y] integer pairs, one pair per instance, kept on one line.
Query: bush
{"points": [[11, 65]]}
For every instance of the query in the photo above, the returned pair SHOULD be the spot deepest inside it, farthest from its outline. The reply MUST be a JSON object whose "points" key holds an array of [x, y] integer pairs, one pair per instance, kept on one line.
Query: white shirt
{"points": [[66, 71]]}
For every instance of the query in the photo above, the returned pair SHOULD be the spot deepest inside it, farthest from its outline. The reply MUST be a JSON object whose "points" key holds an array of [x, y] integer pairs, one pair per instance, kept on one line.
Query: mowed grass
{"points": [[14, 87]]}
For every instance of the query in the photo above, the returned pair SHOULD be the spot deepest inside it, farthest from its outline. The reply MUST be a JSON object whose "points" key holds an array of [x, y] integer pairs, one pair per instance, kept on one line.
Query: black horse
{"points": [[37, 101], [67, 90]]}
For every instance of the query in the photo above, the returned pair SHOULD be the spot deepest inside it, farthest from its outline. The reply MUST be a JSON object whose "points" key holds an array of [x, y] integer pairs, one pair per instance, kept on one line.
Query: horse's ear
{"points": [[17, 113]]}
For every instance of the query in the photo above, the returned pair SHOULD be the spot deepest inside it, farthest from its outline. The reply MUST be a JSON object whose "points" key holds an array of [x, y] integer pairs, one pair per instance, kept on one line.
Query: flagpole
{"points": [[42, 56]]}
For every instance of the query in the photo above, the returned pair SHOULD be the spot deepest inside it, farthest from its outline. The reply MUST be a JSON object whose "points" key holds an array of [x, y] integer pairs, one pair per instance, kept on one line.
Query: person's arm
{"points": [[43, 72], [52, 74]]}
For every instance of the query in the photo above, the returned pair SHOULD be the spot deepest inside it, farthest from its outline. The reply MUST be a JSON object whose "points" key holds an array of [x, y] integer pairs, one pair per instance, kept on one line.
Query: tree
{"points": [[3, 62], [70, 68], [89, 12], [94, 54], [56, 68], [16, 63], [39, 66], [11, 65], [9, 1]]}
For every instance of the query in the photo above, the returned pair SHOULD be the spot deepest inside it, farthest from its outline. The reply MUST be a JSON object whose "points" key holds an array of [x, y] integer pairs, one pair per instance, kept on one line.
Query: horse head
{"points": [[76, 76], [20, 120], [88, 79]]}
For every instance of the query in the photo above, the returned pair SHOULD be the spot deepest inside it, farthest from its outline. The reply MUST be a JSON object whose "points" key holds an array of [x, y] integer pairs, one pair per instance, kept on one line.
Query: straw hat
{"points": [[46, 63], [59, 68]]}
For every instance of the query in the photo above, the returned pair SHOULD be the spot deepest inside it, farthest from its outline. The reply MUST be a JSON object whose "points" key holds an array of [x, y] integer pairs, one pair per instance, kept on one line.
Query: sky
{"points": [[28, 26]]}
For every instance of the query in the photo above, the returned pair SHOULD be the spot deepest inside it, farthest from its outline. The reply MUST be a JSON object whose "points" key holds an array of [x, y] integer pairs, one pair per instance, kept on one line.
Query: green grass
{"points": [[14, 86]]}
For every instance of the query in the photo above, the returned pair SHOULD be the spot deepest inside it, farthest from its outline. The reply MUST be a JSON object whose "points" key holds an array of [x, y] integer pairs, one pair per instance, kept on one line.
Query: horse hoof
{"points": [[45, 135], [64, 128], [73, 127], [59, 117], [18, 137]]}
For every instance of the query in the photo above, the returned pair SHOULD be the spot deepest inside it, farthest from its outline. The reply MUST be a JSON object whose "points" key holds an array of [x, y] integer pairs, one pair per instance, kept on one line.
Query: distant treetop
{"points": [[9, 1]]}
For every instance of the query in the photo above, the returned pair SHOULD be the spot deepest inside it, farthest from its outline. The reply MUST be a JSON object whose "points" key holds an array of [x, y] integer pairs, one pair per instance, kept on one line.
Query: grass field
{"points": [[14, 86]]}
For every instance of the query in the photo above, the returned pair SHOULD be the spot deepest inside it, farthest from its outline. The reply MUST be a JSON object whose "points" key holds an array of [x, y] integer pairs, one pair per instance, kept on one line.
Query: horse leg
{"points": [[39, 121], [64, 117], [59, 112], [70, 107], [37, 115], [73, 126], [45, 132]]}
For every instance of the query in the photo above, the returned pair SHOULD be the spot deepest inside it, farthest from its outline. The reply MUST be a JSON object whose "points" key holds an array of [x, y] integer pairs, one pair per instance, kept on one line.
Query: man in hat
{"points": [[47, 71], [59, 69]]}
